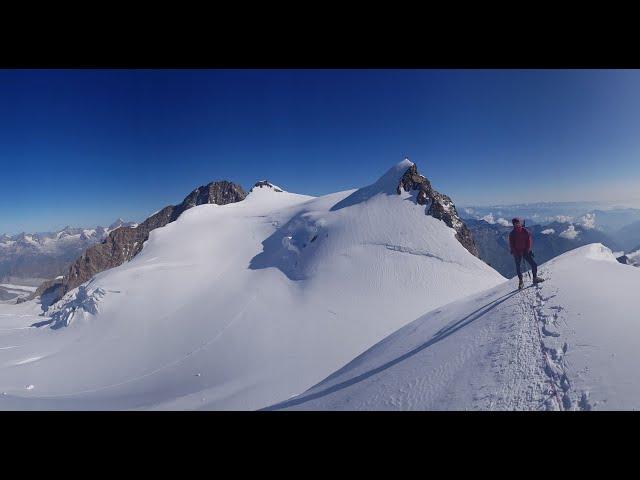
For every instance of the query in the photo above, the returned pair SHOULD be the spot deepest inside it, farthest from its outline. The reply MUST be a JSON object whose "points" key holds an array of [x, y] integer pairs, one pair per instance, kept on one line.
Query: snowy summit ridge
{"points": [[266, 184], [404, 177]]}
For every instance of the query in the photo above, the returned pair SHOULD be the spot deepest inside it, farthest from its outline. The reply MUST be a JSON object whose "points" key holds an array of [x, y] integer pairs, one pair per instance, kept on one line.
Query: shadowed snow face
{"points": [[291, 247]]}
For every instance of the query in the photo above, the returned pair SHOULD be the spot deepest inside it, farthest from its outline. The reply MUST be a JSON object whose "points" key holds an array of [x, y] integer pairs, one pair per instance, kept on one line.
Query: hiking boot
{"points": [[538, 280], [520, 284]]}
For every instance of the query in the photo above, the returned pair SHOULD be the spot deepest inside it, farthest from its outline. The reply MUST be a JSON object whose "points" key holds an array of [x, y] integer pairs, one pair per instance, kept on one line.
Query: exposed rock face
{"points": [[124, 243], [439, 206], [623, 259], [49, 292], [412, 180]]}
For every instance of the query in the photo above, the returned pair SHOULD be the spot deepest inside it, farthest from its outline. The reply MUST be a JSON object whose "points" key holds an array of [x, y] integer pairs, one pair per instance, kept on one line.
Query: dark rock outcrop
{"points": [[124, 243], [439, 206], [49, 292], [623, 259]]}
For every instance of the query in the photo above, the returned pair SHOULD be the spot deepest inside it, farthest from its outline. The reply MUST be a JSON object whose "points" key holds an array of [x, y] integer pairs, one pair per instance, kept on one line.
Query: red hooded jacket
{"points": [[520, 241]]}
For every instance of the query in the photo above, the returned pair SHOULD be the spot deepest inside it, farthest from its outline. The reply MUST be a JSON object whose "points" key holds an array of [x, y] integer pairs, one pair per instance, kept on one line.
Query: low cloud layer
{"points": [[588, 220], [491, 220], [569, 233]]}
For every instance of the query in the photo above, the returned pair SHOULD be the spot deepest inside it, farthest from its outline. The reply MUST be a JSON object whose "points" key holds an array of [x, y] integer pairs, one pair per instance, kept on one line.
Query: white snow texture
{"points": [[239, 306], [355, 300]]}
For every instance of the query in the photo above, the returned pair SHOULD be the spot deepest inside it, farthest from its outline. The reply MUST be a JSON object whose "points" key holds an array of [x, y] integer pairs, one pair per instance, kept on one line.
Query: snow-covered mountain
{"points": [[568, 344], [242, 305], [123, 244], [43, 255]]}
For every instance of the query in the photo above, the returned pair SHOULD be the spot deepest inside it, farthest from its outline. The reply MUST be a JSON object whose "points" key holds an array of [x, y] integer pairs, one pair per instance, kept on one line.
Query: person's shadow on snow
{"points": [[440, 335]]}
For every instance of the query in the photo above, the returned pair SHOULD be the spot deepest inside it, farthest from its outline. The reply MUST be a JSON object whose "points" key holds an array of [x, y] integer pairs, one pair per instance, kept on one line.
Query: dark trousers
{"points": [[529, 258]]}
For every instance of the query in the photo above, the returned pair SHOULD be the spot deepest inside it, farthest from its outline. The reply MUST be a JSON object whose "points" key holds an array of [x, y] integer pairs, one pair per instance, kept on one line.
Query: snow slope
{"points": [[570, 343], [240, 306]]}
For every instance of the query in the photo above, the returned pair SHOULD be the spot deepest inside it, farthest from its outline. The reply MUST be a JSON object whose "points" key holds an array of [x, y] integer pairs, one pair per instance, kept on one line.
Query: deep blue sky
{"points": [[83, 147]]}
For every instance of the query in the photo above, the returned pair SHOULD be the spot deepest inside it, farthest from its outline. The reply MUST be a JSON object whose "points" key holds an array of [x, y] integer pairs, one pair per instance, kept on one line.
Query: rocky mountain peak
{"points": [[438, 205], [125, 242], [66, 232], [266, 184], [219, 192]]}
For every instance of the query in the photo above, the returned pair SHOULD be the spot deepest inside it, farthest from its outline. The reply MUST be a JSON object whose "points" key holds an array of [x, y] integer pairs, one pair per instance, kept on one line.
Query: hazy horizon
{"points": [[589, 205]]}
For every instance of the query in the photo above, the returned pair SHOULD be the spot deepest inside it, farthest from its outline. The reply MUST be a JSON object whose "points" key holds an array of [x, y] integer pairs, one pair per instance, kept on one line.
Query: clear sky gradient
{"points": [[83, 147]]}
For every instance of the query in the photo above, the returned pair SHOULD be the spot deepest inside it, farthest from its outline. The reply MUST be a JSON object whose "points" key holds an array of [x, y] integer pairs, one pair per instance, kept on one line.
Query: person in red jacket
{"points": [[520, 243]]}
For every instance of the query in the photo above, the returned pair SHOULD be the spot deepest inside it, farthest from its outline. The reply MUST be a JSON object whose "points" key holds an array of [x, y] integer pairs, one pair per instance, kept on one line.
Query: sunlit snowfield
{"points": [[353, 300], [241, 306]]}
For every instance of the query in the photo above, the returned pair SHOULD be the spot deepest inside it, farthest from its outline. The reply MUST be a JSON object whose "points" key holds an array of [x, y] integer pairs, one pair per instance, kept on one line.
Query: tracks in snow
{"points": [[518, 374], [547, 323], [532, 371]]}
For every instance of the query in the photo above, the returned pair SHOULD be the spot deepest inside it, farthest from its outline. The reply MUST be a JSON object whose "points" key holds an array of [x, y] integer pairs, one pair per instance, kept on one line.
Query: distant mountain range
{"points": [[629, 235], [32, 256], [540, 212], [549, 241], [609, 218], [557, 228]]}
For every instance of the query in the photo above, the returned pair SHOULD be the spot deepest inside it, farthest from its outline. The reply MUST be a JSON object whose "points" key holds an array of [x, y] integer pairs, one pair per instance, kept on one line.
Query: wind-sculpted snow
{"points": [[566, 344], [240, 306]]}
